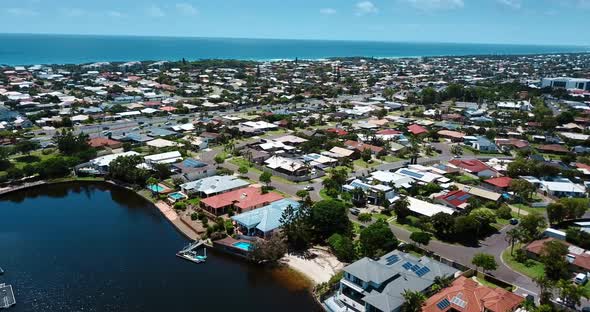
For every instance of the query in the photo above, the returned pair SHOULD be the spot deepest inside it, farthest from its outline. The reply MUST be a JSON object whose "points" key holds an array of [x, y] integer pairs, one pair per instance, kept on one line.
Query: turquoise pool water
{"points": [[155, 188], [243, 245], [176, 196]]}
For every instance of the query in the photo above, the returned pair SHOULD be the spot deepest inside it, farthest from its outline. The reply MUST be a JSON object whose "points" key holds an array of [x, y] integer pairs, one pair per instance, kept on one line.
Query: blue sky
{"points": [[481, 21]]}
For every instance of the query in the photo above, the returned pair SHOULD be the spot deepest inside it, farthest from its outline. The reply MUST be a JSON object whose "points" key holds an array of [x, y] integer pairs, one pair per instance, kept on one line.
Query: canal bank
{"points": [[96, 247]]}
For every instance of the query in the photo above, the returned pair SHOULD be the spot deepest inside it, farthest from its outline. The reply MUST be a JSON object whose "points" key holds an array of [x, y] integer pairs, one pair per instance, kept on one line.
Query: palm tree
{"points": [[152, 183], [514, 235], [443, 281], [413, 301]]}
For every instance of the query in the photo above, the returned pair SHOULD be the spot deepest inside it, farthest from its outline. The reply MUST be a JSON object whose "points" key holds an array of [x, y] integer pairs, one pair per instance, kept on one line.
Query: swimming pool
{"points": [[243, 245], [155, 188], [176, 196]]}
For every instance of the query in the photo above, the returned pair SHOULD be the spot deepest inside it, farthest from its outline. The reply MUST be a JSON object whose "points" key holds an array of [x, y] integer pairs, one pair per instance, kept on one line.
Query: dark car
{"points": [[514, 221], [586, 309]]}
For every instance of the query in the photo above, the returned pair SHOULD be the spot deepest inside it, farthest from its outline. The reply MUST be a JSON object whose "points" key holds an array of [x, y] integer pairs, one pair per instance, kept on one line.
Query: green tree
{"points": [[329, 217], [342, 247], [443, 224], [243, 170], [266, 178], [377, 239], [421, 238], [546, 286], [268, 250], [219, 159], [485, 261], [413, 301], [26, 146], [402, 208], [532, 225], [570, 293], [296, 226], [553, 257], [521, 188], [514, 236]]}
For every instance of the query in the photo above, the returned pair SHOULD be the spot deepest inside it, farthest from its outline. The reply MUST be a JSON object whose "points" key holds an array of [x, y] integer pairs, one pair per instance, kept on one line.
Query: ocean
{"points": [[30, 49]]}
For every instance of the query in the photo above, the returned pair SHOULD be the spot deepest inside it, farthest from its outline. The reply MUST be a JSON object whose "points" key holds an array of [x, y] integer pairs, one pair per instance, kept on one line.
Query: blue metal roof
{"points": [[266, 218]]}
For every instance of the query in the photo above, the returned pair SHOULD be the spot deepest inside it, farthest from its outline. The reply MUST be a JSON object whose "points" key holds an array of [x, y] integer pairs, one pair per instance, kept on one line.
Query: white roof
{"points": [[563, 187], [427, 209], [391, 177], [284, 163], [107, 159], [261, 125], [163, 143], [169, 157]]}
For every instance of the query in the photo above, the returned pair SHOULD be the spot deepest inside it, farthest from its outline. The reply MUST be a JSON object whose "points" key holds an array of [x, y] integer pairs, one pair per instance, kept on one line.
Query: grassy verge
{"points": [[390, 159], [530, 209], [19, 161], [535, 269], [359, 163]]}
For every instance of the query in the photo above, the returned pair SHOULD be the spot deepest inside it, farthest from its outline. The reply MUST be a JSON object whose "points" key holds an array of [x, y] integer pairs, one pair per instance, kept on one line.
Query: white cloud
{"points": [[328, 11], [429, 5], [513, 4], [187, 9], [20, 12], [155, 11], [366, 7]]}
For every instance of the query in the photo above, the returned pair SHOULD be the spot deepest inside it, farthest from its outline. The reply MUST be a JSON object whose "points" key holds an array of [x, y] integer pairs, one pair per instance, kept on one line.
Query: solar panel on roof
{"points": [[443, 304], [412, 174], [407, 265], [392, 259], [464, 197], [421, 272], [451, 197], [415, 268]]}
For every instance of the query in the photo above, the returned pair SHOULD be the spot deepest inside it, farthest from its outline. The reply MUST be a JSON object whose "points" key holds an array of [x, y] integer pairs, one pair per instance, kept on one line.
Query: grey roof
{"points": [[215, 184], [389, 272]]}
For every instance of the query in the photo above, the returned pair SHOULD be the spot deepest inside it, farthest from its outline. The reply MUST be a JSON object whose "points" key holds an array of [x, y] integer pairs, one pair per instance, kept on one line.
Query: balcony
{"points": [[357, 306]]}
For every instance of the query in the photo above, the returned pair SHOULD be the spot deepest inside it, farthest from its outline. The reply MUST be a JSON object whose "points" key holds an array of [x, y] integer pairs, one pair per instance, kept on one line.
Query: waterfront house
{"points": [[101, 164], [265, 220], [214, 185], [378, 285], [240, 200], [467, 295], [191, 169]]}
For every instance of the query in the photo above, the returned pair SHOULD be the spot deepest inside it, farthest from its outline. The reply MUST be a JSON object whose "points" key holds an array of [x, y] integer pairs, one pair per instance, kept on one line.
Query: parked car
{"points": [[514, 221], [308, 188], [355, 211]]}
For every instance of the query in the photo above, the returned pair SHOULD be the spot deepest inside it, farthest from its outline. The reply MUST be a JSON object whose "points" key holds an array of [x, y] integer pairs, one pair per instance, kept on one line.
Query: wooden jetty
{"points": [[6, 296]]}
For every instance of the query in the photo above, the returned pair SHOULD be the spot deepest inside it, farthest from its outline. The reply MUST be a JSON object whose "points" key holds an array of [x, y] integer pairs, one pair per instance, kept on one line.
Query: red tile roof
{"points": [[513, 142], [417, 129], [244, 198], [477, 298], [388, 132], [553, 148], [452, 134], [502, 182], [338, 131], [472, 165], [101, 142], [360, 146], [457, 198], [168, 108], [582, 260]]}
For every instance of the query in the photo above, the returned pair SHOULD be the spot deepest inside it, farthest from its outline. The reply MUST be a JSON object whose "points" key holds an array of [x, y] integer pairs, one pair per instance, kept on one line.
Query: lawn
{"points": [[20, 161], [537, 269], [390, 159], [530, 209], [408, 224], [465, 179], [359, 163], [324, 195], [481, 279]]}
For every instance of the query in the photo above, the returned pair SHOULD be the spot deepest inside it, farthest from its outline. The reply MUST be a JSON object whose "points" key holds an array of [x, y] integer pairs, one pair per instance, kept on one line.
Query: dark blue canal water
{"points": [[96, 247]]}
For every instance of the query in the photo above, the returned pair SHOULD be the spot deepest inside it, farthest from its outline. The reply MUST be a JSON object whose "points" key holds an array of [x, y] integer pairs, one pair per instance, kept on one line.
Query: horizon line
{"points": [[294, 39]]}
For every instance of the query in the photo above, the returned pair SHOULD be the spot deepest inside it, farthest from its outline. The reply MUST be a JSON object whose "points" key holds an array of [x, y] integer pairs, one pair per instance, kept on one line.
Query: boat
{"points": [[189, 253], [1, 271]]}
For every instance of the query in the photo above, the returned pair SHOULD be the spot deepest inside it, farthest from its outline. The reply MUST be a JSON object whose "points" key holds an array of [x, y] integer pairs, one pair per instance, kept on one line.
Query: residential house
{"points": [[265, 220], [578, 258], [102, 142], [163, 158], [417, 129], [474, 167], [500, 184], [191, 169], [360, 147], [563, 187], [240, 200], [467, 295], [378, 285], [213, 185], [288, 166], [376, 194], [455, 199], [482, 144]]}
